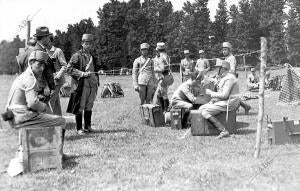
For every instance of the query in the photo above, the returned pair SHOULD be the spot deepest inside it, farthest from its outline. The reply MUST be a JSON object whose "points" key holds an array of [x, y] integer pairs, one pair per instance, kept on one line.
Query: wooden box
{"points": [[42, 148], [176, 118], [201, 126], [152, 115], [283, 132]]}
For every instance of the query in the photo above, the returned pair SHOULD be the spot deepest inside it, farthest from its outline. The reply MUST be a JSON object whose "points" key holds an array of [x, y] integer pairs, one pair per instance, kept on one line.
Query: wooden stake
{"points": [[263, 59], [28, 31], [244, 62]]}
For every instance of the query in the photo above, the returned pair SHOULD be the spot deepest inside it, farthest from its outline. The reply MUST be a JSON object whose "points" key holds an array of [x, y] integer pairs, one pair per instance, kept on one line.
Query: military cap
{"points": [[186, 52], [39, 56], [252, 69], [42, 31], [201, 51], [87, 37], [227, 45], [160, 46], [145, 46]]}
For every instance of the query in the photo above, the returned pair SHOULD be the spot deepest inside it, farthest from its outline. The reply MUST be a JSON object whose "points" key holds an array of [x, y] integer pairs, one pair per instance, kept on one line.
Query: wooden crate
{"points": [[201, 126], [42, 148], [152, 115], [283, 132]]}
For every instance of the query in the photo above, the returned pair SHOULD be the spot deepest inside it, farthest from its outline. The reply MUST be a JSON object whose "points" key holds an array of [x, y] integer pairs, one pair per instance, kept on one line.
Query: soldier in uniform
{"points": [[186, 66], [143, 75], [23, 101], [60, 65], [229, 58], [252, 80], [224, 99], [161, 69], [43, 41], [202, 64], [83, 69]]}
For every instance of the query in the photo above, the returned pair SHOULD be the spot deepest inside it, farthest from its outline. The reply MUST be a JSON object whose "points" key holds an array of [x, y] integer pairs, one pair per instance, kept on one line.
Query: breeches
{"points": [[88, 97], [44, 120], [146, 93], [182, 104]]}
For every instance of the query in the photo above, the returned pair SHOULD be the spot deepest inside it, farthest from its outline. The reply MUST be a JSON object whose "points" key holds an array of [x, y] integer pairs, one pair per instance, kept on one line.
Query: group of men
{"points": [[253, 80], [34, 96], [222, 89]]}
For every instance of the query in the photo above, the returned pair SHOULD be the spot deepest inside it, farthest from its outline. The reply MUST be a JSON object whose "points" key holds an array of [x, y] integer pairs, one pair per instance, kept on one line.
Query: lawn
{"points": [[125, 155]]}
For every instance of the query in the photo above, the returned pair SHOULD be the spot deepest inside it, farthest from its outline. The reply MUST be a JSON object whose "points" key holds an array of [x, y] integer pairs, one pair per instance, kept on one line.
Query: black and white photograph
{"points": [[164, 95]]}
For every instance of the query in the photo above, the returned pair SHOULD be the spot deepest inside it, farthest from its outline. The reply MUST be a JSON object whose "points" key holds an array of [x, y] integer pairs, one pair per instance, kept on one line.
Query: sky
{"points": [[57, 14]]}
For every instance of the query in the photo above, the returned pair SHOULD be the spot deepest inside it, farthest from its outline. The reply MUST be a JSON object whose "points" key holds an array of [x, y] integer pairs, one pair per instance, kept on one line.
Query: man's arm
{"points": [[32, 96], [73, 65], [135, 73], [225, 93]]}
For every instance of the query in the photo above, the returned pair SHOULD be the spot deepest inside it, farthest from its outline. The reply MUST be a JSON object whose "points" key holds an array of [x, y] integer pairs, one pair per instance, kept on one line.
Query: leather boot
{"points": [[161, 103], [166, 104], [219, 126], [87, 121], [78, 118], [186, 119], [246, 107]]}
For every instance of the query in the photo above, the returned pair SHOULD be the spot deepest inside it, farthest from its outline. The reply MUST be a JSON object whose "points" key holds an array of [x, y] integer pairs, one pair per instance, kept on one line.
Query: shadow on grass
{"points": [[242, 112], [245, 131], [240, 124], [70, 162], [91, 135]]}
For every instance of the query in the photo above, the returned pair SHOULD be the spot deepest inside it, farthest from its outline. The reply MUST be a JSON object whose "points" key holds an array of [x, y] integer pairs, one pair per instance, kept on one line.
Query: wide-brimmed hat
{"points": [[87, 38], [42, 31], [145, 46], [39, 56], [223, 64], [160, 46]]}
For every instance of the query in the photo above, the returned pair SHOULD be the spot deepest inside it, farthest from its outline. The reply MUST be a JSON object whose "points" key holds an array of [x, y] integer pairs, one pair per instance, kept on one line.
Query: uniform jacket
{"points": [[161, 65], [47, 78], [186, 67], [23, 98], [76, 67], [184, 93], [232, 61], [227, 90], [58, 59], [201, 65], [143, 76]]}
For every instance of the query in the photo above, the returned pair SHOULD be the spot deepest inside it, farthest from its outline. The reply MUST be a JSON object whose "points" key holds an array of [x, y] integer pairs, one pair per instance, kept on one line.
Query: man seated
{"points": [[185, 96], [252, 80], [24, 109], [226, 97]]}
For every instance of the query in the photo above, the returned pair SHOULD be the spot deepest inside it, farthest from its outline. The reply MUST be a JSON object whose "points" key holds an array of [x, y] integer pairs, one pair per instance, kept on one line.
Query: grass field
{"points": [[125, 155]]}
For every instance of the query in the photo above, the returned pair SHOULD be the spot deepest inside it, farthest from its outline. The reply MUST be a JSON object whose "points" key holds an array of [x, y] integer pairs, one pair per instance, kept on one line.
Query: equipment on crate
{"points": [[283, 132], [112, 90], [152, 115]]}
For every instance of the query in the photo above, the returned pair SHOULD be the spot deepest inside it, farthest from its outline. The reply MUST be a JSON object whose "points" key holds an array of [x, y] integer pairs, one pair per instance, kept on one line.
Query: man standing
{"points": [[60, 66], [224, 99], [161, 69], [202, 63], [143, 75], [23, 101], [43, 40], [83, 69], [186, 66], [230, 59], [252, 80]]}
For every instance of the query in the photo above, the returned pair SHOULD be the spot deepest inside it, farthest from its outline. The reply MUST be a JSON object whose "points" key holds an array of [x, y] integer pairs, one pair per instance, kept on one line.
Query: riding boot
{"points": [[161, 103], [186, 119], [219, 126], [87, 121], [246, 107], [78, 118]]}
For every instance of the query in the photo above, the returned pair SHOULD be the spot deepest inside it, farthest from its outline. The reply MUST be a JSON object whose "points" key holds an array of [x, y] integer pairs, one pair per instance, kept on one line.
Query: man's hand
{"points": [[86, 74], [47, 91], [208, 91], [136, 88]]}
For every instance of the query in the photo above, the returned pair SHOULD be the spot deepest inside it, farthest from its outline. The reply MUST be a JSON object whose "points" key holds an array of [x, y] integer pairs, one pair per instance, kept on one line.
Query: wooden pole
{"points": [[28, 32], [263, 61], [244, 62]]}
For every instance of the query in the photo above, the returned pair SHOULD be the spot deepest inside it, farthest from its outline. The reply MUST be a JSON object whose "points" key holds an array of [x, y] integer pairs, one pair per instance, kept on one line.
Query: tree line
{"points": [[123, 26]]}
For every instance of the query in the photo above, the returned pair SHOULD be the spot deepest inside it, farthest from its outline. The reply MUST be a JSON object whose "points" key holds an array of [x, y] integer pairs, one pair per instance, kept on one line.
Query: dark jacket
{"points": [[49, 69], [75, 69]]}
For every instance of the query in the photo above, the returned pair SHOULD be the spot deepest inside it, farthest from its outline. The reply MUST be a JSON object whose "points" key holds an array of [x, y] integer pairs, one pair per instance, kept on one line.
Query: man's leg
{"points": [[142, 93], [187, 107], [208, 111], [150, 91], [55, 102], [245, 106], [88, 109]]}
